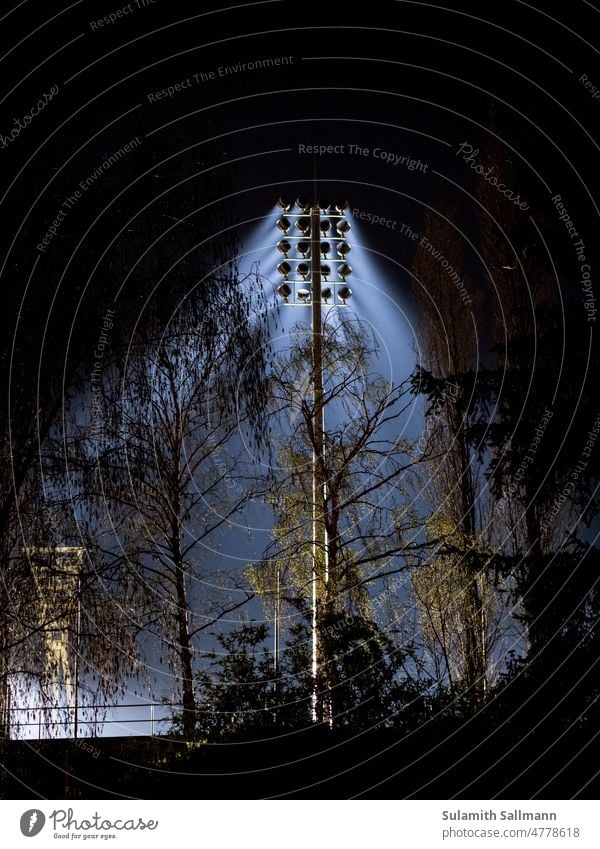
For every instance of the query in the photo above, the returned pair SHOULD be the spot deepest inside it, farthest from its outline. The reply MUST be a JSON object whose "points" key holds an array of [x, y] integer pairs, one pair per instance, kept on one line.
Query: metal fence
{"points": [[63, 722]]}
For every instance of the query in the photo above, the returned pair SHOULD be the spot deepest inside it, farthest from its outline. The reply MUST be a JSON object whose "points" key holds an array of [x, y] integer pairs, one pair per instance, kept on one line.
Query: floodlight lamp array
{"points": [[297, 244]]}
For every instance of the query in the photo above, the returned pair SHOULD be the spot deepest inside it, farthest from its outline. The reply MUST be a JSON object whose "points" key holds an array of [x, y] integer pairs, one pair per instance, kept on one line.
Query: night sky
{"points": [[405, 79]]}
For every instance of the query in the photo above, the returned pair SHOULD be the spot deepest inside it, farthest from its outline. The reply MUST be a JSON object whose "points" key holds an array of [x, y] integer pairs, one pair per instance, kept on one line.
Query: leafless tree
{"points": [[372, 531], [172, 467]]}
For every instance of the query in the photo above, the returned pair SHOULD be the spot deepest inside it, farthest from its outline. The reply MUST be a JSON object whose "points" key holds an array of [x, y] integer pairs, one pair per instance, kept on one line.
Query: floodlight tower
{"points": [[322, 228]]}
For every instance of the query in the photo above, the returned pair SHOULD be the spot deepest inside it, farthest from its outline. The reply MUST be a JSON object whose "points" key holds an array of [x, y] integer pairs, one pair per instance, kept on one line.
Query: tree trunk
{"points": [[185, 656], [184, 641], [474, 638], [476, 661], [532, 597]]}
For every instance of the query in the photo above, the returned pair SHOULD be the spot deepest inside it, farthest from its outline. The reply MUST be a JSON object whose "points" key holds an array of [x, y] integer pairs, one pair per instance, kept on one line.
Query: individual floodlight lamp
{"points": [[284, 246], [284, 291], [284, 268], [344, 293], [284, 224]]}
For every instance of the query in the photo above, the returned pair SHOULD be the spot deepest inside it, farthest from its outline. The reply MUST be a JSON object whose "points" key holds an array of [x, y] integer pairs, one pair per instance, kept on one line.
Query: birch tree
{"points": [[371, 530]]}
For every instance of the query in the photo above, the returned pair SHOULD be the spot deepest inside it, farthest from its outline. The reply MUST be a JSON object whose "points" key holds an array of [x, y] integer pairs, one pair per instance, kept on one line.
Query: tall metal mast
{"points": [[337, 292]]}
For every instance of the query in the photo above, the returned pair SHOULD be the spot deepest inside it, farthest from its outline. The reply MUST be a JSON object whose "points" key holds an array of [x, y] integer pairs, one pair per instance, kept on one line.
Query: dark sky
{"points": [[406, 78]]}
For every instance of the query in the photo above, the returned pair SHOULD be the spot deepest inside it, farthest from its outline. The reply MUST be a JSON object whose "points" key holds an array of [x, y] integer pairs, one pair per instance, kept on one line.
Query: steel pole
{"points": [[78, 646], [319, 531]]}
